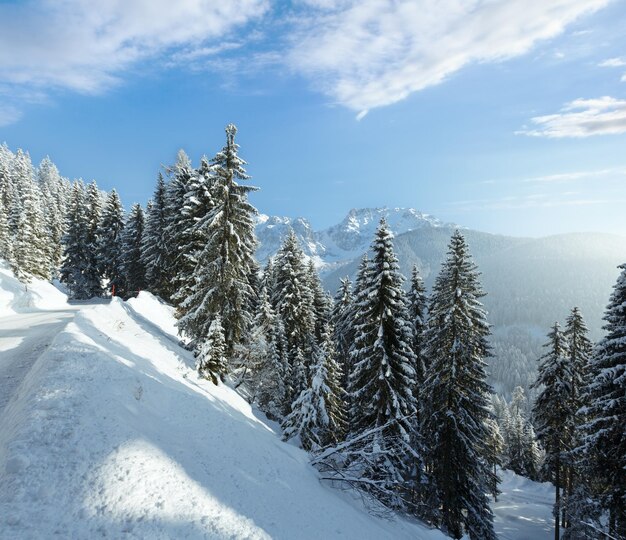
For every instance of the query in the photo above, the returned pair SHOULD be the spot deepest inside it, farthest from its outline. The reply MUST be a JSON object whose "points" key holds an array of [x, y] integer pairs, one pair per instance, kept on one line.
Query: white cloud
{"points": [[582, 118], [576, 176], [86, 47], [370, 53], [613, 62]]}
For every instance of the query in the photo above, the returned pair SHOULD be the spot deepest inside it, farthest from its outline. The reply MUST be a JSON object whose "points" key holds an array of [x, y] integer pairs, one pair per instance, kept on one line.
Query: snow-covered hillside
{"points": [[17, 297], [342, 242], [113, 434]]}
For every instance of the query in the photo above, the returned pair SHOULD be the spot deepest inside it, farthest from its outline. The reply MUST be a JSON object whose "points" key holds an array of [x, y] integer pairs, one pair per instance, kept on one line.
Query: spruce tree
{"points": [[269, 363], [580, 350], [110, 243], [322, 304], [383, 375], [76, 251], [317, 415], [552, 410], [604, 444], [155, 244], [133, 266], [211, 356], [341, 322], [417, 313], [176, 227], [455, 404], [292, 300], [92, 264], [222, 272], [190, 240]]}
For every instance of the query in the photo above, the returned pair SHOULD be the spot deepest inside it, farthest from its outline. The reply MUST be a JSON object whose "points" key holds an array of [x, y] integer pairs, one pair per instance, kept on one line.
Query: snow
{"points": [[524, 509], [112, 434], [16, 297]]}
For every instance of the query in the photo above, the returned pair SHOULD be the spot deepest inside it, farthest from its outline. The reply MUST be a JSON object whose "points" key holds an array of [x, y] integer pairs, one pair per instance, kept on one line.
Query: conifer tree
{"points": [[269, 363], [189, 239], [110, 243], [495, 448], [222, 272], [455, 405], [292, 300], [155, 245], [177, 225], [551, 411], [604, 444], [91, 259], [211, 357], [6, 240], [133, 265], [317, 416], [383, 374], [341, 322], [580, 350], [76, 248], [417, 314], [321, 302]]}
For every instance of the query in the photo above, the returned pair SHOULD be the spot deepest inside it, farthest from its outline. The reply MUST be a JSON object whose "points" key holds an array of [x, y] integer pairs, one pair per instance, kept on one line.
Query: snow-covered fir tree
{"points": [[418, 305], [552, 410], [322, 304], [110, 243], [76, 248], [211, 356], [455, 405], [94, 200], [221, 275], [268, 360], [189, 239], [31, 254], [317, 417], [604, 442], [341, 322], [580, 350], [521, 452], [133, 266], [383, 377], [155, 247], [292, 300], [176, 223]]}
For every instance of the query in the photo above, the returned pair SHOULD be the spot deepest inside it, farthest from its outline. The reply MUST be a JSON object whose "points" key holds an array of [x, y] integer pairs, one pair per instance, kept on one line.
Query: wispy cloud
{"points": [[45, 44], [370, 53], [613, 62], [576, 176], [535, 200], [582, 118]]}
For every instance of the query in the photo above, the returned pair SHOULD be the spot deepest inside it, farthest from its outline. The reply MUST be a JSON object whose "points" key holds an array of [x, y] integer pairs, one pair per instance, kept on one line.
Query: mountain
{"points": [[530, 282], [343, 242]]}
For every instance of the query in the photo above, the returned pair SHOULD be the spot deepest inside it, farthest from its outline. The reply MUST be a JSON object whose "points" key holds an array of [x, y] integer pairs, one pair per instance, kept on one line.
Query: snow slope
{"points": [[114, 435], [524, 509], [18, 297]]}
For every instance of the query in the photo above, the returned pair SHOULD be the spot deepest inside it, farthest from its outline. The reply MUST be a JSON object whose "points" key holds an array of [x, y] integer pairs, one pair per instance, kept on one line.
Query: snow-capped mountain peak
{"points": [[343, 241]]}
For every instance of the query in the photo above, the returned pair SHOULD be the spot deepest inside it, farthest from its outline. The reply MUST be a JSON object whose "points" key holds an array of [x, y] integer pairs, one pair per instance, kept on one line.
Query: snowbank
{"points": [[17, 297], [114, 435]]}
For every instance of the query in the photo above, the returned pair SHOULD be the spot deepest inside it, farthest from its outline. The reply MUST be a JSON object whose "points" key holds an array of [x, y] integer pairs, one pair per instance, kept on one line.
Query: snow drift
{"points": [[114, 435], [16, 296]]}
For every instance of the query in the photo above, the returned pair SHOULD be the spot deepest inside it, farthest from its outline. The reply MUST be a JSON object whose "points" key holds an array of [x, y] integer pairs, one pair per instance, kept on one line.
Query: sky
{"points": [[503, 116]]}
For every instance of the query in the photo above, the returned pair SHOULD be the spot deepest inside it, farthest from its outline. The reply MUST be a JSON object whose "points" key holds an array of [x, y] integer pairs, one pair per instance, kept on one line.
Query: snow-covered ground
{"points": [[112, 434], [524, 509], [17, 297]]}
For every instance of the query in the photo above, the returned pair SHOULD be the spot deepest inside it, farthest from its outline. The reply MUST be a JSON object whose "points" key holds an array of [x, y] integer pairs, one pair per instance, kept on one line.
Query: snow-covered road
{"points": [[23, 337]]}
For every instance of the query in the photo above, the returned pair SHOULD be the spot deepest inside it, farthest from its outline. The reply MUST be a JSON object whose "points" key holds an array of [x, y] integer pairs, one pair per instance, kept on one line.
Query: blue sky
{"points": [[505, 116]]}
